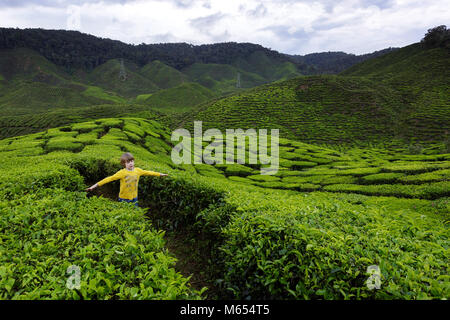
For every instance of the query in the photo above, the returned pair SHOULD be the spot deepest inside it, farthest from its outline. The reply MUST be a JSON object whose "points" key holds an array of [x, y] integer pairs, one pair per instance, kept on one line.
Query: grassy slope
{"points": [[32, 84], [22, 63], [177, 99], [107, 77], [30, 123], [310, 245], [219, 77], [402, 96], [269, 69], [420, 76], [254, 70], [162, 75], [316, 109]]}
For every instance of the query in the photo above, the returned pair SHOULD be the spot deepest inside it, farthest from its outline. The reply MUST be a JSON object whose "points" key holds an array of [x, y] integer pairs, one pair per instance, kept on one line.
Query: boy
{"points": [[129, 178]]}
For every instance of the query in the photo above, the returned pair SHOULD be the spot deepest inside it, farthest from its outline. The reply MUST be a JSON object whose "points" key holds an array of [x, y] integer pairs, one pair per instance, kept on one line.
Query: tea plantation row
{"points": [[265, 243]]}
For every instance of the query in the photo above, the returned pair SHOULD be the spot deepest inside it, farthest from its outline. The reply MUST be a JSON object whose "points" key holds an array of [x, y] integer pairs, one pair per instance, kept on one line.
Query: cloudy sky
{"points": [[288, 26]]}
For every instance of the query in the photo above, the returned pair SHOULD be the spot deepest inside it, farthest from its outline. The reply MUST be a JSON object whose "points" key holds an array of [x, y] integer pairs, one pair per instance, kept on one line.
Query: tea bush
{"points": [[379, 178], [433, 176], [84, 126], [308, 247], [296, 243], [423, 191], [63, 143], [119, 255]]}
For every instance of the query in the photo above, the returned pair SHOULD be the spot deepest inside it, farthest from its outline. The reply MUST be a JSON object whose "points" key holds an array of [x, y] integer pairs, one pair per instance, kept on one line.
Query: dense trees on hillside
{"points": [[73, 49], [437, 37], [334, 62]]}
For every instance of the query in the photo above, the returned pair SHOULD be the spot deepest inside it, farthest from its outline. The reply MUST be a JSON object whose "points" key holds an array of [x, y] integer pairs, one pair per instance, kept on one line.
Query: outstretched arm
{"points": [[116, 176], [92, 187], [151, 173]]}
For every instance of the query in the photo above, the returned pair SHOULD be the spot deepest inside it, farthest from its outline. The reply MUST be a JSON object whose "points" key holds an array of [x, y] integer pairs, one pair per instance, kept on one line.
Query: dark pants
{"points": [[135, 201]]}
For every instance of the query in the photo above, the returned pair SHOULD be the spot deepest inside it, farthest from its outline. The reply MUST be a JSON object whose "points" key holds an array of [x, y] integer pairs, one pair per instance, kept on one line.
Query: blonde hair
{"points": [[125, 158]]}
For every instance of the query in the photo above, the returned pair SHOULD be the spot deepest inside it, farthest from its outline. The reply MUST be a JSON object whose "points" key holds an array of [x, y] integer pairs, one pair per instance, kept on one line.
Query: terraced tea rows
{"points": [[394, 100], [321, 109], [264, 243], [372, 172], [16, 125]]}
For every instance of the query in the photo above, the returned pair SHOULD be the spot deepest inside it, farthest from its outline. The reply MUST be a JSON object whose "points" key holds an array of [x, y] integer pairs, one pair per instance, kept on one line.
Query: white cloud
{"points": [[289, 26], [32, 16]]}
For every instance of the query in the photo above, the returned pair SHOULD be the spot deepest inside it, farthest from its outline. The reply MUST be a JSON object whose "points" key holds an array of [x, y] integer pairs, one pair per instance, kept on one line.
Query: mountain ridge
{"points": [[74, 49], [56, 44]]}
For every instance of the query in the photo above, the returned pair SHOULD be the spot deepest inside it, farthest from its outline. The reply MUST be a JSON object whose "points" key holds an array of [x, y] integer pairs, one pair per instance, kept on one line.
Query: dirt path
{"points": [[191, 261]]}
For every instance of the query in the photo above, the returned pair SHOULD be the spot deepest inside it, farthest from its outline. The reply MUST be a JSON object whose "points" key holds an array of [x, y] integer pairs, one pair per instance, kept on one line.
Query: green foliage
{"points": [[415, 167], [89, 137], [239, 179], [424, 191], [110, 123], [311, 247], [295, 165], [433, 176], [31, 177], [35, 77], [99, 93], [416, 73], [222, 78], [107, 76], [162, 75], [313, 239], [263, 178], [379, 178], [93, 51], [236, 170], [437, 37], [115, 133], [14, 125], [47, 222], [84, 126], [63, 143], [334, 62], [338, 180], [208, 170], [181, 98], [34, 84], [53, 229], [155, 145], [322, 109]]}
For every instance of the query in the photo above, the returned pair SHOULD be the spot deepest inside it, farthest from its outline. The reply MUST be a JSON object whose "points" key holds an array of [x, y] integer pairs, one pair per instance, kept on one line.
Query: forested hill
{"points": [[334, 62], [73, 49]]}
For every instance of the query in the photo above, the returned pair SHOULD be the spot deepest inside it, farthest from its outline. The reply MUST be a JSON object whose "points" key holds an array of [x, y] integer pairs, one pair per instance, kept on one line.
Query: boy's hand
{"points": [[92, 187]]}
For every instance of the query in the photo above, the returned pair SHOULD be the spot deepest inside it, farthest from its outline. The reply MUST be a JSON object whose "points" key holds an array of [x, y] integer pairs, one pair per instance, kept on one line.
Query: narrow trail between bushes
{"points": [[192, 259]]}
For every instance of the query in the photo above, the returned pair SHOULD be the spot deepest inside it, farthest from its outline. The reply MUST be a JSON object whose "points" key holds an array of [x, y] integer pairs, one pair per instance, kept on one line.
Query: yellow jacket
{"points": [[128, 181]]}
